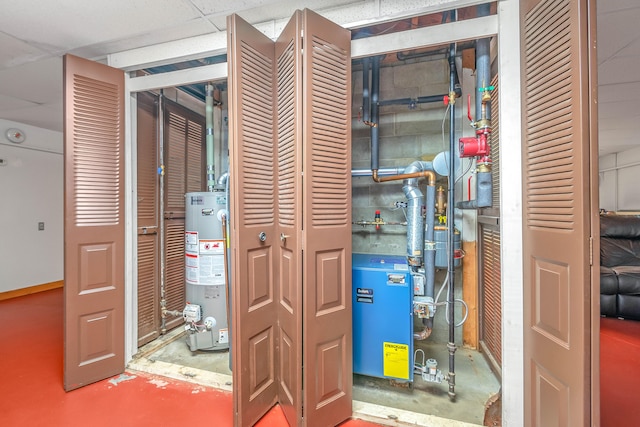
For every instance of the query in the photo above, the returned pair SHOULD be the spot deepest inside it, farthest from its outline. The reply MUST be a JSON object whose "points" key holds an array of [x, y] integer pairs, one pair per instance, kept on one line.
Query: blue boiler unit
{"points": [[382, 317]]}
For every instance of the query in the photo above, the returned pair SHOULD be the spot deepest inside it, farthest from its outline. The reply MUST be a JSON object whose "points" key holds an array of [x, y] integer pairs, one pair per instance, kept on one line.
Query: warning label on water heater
{"points": [[205, 266], [395, 358]]}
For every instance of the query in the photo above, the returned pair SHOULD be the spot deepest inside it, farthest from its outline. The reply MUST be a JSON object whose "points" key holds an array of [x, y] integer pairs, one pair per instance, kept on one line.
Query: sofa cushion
{"points": [[628, 279], [620, 226], [619, 251], [628, 291], [608, 292]]}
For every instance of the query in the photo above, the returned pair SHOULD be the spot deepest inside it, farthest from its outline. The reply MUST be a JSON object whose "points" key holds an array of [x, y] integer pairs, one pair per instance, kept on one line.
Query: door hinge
{"points": [[590, 250]]}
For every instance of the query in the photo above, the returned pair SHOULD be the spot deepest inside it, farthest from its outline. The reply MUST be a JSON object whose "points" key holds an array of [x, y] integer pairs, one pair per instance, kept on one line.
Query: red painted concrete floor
{"points": [[32, 393]]}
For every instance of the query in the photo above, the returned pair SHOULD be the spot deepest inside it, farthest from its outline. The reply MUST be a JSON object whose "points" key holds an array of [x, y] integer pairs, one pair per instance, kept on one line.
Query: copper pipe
{"points": [[430, 175]]}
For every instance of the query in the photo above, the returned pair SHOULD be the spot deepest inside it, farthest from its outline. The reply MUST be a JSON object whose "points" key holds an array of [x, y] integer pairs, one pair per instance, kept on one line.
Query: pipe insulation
{"points": [[366, 102], [375, 112], [484, 183], [483, 65], [484, 193], [211, 176]]}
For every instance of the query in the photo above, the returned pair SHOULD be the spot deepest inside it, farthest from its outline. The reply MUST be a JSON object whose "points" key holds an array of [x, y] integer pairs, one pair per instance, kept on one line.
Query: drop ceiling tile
{"points": [[618, 70], [39, 81], [223, 8], [70, 24], [42, 116], [264, 11], [11, 103], [618, 92], [192, 28], [15, 52], [616, 31], [607, 6]]}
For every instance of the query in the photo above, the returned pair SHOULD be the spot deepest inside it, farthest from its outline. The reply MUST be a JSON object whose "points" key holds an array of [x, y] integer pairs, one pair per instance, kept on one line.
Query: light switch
{"points": [[40, 226]]}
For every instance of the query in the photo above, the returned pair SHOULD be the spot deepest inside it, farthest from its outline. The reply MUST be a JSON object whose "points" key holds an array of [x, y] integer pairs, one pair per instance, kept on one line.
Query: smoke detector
{"points": [[15, 135]]}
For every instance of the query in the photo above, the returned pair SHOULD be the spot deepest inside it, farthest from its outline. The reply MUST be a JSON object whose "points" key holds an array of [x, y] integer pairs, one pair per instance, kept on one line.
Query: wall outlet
{"points": [[3, 162], [40, 226]]}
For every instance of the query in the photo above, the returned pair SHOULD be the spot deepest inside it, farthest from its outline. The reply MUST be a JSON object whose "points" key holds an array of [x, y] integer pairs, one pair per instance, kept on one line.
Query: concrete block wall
{"points": [[406, 135]]}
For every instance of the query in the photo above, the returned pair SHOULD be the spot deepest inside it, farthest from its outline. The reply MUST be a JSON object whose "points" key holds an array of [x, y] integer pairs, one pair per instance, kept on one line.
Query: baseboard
{"points": [[31, 290]]}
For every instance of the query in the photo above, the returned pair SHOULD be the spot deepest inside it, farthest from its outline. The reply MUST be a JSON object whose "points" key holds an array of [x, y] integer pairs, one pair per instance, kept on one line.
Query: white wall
{"points": [[31, 191], [619, 181]]}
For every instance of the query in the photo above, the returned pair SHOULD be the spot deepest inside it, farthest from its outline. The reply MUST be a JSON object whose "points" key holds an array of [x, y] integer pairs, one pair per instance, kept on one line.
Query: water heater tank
{"points": [[205, 274]]}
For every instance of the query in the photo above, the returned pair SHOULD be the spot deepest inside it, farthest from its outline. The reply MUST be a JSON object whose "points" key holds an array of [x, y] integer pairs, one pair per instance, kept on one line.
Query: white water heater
{"points": [[205, 314]]}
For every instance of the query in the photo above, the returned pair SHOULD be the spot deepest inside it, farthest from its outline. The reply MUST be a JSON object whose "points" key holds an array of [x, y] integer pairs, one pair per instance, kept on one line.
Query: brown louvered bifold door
{"points": [[557, 207], [253, 218], [94, 222], [489, 251], [288, 55], [290, 145], [327, 357], [148, 245], [183, 145]]}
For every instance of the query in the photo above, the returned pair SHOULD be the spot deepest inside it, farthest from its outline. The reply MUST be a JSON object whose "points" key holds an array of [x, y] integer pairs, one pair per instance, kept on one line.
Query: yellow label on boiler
{"points": [[395, 360]]}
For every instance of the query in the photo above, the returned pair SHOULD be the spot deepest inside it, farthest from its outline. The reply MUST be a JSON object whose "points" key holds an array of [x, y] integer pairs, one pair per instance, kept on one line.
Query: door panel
{"points": [[147, 183], [94, 221], [184, 145], [254, 234], [327, 356], [557, 210], [295, 285], [289, 137], [174, 269]]}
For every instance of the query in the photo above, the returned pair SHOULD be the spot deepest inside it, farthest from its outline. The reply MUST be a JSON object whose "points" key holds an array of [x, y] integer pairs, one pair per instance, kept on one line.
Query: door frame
{"points": [[506, 26]]}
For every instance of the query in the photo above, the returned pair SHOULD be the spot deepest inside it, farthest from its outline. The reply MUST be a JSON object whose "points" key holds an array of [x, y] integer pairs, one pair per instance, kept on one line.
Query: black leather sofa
{"points": [[620, 266]]}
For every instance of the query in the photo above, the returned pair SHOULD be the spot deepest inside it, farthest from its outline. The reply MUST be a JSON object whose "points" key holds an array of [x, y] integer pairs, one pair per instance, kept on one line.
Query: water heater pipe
{"points": [[226, 267], [381, 172], [451, 345], [163, 300], [211, 176]]}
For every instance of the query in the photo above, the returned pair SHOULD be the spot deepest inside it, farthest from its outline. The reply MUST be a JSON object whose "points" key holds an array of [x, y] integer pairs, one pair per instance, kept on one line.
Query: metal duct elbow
{"points": [[222, 179], [414, 221]]}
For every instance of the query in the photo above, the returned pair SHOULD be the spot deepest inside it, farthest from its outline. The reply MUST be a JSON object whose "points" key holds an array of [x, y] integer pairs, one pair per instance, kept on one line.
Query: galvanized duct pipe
{"points": [[415, 226], [211, 176]]}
